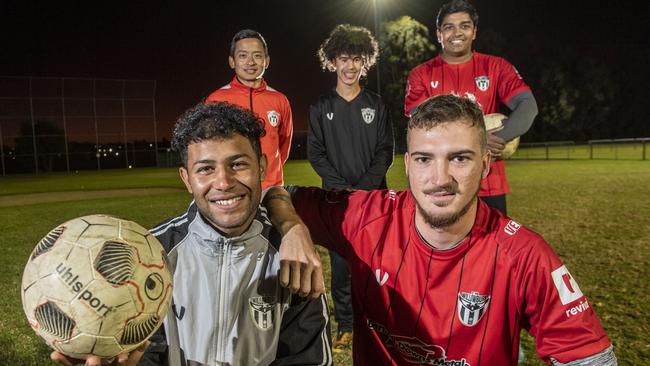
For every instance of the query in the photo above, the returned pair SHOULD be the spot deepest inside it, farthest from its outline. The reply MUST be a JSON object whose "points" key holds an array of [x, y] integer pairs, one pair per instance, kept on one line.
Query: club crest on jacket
{"points": [[262, 311], [368, 115]]}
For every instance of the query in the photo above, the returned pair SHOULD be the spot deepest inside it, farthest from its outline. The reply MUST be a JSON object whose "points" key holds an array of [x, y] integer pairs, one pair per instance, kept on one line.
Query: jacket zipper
{"points": [[223, 302], [250, 93]]}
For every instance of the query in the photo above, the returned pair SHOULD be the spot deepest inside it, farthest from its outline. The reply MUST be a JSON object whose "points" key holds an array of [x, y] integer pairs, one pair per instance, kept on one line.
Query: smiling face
{"points": [[456, 34], [249, 60], [444, 166], [349, 69], [224, 175]]}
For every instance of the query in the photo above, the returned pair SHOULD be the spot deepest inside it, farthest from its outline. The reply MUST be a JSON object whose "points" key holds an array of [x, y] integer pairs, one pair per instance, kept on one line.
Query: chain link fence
{"points": [[66, 124]]}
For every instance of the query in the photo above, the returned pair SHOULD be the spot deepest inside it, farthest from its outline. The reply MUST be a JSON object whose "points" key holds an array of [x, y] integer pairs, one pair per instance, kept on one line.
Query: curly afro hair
{"points": [[350, 40], [218, 120]]}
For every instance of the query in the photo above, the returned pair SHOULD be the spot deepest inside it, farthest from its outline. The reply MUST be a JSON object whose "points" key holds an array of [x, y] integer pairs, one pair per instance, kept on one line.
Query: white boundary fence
{"points": [[604, 149]]}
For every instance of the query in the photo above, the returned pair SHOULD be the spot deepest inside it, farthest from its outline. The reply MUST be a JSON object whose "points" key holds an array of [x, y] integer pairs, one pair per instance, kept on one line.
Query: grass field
{"points": [[596, 214]]}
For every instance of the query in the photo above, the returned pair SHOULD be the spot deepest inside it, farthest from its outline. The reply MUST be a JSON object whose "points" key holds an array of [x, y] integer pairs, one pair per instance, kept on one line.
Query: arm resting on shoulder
{"points": [[301, 269]]}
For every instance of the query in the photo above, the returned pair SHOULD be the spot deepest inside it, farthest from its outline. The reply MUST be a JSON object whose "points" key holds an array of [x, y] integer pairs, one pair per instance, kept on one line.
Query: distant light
{"points": [[104, 154], [117, 154], [110, 150], [130, 166], [150, 145]]}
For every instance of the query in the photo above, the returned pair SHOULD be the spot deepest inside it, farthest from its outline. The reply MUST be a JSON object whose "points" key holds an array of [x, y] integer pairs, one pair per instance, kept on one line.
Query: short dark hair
{"points": [[350, 40], [447, 108], [218, 120], [457, 6], [247, 33]]}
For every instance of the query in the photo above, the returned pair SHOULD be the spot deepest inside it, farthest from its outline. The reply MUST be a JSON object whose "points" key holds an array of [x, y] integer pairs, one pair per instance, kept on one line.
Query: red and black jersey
{"points": [[464, 306], [488, 80]]}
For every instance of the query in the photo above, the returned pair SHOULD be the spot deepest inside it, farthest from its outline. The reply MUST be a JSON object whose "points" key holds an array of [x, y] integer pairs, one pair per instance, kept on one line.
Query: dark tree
{"points": [[404, 43]]}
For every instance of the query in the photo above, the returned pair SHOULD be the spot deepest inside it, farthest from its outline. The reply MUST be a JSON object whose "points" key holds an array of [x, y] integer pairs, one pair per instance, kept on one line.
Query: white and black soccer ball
{"points": [[96, 285]]}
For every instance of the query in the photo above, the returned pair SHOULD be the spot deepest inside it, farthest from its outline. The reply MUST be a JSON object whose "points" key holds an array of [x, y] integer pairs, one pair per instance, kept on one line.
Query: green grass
{"points": [[596, 214]]}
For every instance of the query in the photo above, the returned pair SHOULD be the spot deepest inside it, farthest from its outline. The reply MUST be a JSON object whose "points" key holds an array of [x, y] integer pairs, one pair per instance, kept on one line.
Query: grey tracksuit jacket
{"points": [[228, 306]]}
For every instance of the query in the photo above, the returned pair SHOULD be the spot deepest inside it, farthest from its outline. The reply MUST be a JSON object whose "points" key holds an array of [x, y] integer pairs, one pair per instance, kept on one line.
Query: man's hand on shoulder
{"points": [[301, 269]]}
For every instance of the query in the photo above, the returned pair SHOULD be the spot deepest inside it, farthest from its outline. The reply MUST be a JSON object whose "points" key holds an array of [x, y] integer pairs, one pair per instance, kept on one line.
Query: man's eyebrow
{"points": [[203, 161], [457, 152], [422, 153], [464, 151]]}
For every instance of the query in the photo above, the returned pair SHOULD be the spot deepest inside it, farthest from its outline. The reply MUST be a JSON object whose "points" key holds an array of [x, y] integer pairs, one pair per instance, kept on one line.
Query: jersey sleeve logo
{"points": [[261, 308], [434, 84], [566, 286], [274, 118], [511, 228], [482, 82], [471, 307], [330, 115], [368, 115]]}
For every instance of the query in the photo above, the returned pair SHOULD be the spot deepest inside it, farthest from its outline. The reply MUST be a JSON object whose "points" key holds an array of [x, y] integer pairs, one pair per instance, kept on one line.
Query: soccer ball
{"points": [[493, 121], [96, 285]]}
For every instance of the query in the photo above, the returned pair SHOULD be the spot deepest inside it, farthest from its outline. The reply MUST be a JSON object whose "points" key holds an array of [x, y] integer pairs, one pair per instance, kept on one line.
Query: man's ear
{"points": [[485, 161], [267, 62], [439, 36], [263, 166], [231, 62], [185, 178], [406, 163]]}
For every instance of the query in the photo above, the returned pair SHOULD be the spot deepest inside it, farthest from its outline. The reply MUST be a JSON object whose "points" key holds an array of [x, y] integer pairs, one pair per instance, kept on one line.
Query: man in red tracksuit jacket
{"points": [[249, 58]]}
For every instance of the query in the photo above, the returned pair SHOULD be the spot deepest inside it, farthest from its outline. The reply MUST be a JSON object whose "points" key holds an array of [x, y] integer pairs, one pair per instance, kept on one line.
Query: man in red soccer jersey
{"points": [[485, 79], [438, 277], [249, 58]]}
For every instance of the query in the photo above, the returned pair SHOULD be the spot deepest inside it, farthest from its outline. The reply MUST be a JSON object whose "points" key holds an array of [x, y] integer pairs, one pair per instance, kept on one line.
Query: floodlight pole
{"points": [[377, 25]]}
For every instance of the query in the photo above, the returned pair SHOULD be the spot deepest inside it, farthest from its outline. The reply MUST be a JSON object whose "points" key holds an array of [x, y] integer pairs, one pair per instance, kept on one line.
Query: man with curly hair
{"points": [[350, 141], [230, 301]]}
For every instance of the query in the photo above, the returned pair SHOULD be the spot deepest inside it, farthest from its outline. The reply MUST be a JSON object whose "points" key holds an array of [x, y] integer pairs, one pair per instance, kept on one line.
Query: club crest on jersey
{"points": [[274, 118], [368, 115], [262, 311], [482, 83], [471, 307]]}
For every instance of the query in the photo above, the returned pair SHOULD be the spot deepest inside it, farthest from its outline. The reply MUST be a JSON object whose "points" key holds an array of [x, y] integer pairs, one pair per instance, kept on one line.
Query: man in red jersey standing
{"points": [[485, 79], [249, 58], [438, 277]]}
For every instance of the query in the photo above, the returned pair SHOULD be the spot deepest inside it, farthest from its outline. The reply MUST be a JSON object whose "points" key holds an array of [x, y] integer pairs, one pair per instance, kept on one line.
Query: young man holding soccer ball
{"points": [[229, 304]]}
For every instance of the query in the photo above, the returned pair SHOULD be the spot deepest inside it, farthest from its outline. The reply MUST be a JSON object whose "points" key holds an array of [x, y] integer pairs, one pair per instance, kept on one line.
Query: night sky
{"points": [[184, 44]]}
